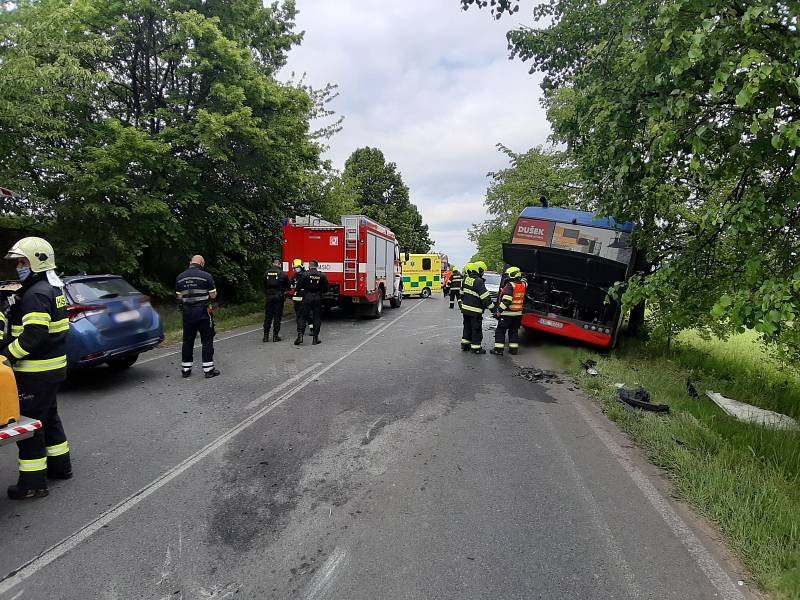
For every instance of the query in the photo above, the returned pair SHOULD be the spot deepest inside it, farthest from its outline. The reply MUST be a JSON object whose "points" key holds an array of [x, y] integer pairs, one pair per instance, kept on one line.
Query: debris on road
{"points": [[748, 413], [690, 389], [639, 398], [538, 375], [590, 367]]}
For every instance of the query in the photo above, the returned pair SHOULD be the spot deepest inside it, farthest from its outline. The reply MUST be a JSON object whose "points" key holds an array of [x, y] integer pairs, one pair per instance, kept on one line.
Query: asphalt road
{"points": [[384, 463]]}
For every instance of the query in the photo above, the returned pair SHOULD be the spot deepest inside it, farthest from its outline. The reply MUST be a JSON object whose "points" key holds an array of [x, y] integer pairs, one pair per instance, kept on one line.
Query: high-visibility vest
{"points": [[511, 304]]}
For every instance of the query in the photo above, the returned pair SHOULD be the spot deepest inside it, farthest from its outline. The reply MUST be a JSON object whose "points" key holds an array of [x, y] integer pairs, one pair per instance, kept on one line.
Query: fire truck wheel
{"points": [[426, 293], [396, 301], [377, 308]]}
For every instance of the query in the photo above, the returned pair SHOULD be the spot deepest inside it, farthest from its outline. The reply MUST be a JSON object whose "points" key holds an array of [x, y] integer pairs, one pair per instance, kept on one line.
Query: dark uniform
{"points": [[456, 281], [37, 350], [194, 287], [312, 285], [297, 297], [276, 284], [475, 298], [512, 299]]}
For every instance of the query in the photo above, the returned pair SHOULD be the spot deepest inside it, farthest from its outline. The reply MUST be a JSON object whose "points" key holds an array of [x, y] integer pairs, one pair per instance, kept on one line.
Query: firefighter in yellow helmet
{"points": [[475, 298], [511, 299], [37, 351], [297, 295]]}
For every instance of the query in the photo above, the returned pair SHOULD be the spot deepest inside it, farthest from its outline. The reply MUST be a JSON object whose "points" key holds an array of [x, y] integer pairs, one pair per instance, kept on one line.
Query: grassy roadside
{"points": [[226, 317], [744, 478]]}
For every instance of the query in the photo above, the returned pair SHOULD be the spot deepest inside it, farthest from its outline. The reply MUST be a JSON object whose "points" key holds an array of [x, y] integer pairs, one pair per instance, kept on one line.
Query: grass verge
{"points": [[744, 478], [226, 317]]}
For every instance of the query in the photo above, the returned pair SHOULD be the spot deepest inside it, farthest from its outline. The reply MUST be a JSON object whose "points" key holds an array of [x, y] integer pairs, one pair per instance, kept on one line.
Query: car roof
{"points": [[74, 278]]}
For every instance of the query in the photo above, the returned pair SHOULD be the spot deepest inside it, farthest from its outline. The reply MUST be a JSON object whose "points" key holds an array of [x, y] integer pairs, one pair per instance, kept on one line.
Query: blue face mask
{"points": [[23, 273]]}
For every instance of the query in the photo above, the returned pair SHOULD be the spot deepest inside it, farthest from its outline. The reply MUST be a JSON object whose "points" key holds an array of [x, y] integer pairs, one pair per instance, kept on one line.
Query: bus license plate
{"points": [[549, 323]]}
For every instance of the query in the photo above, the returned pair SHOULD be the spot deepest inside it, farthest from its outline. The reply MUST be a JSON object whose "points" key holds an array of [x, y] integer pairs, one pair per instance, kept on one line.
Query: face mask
{"points": [[298, 269], [23, 273]]}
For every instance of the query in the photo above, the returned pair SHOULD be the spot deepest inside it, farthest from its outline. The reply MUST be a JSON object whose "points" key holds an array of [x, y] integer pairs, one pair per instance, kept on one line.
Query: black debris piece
{"points": [[690, 389], [538, 375], [639, 398]]}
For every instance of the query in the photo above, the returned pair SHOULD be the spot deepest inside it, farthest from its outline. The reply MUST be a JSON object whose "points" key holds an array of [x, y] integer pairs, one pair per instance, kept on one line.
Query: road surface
{"points": [[384, 463]]}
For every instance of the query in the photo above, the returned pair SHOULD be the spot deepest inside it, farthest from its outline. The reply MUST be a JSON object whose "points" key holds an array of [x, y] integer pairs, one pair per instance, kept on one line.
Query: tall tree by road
{"points": [[685, 117], [160, 130], [380, 193]]}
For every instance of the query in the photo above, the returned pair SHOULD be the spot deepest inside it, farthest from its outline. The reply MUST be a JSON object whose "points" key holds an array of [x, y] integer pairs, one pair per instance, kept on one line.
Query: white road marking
{"points": [[320, 584], [18, 594], [72, 541], [196, 346], [711, 568], [595, 512], [285, 384]]}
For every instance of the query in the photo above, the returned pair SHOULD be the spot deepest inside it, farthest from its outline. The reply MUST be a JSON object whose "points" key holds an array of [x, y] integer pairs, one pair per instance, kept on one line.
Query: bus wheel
{"points": [[426, 293]]}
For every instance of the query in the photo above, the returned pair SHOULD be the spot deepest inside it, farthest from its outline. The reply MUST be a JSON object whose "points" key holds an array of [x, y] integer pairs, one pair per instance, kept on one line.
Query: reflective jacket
{"points": [[38, 322], [194, 288], [2, 327], [298, 295], [276, 283], [456, 280], [475, 298], [512, 299]]}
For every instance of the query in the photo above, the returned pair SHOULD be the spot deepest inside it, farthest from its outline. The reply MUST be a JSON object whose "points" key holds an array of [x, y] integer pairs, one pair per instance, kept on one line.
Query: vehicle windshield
{"points": [[89, 290], [492, 278]]}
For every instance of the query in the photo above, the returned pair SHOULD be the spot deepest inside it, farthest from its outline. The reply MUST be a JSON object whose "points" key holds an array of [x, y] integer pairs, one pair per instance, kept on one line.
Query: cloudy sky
{"points": [[431, 86]]}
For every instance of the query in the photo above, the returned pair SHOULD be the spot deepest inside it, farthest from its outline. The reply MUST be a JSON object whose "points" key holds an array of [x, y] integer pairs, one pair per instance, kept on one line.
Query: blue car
{"points": [[110, 322]]}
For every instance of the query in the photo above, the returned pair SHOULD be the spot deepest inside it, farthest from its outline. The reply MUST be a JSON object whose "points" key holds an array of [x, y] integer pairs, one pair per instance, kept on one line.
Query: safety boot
{"points": [[316, 340], [266, 337], [276, 338], [299, 339], [497, 351], [212, 373], [479, 351], [29, 485], [465, 348], [513, 351], [186, 373]]}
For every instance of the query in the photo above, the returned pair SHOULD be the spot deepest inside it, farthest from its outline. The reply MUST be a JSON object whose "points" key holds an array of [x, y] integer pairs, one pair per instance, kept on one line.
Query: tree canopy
{"points": [[684, 117], [141, 131]]}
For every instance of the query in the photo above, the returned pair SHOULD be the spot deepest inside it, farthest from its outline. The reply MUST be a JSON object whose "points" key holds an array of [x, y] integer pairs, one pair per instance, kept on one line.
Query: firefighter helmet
{"points": [[38, 251], [470, 268], [481, 266], [297, 262], [513, 272]]}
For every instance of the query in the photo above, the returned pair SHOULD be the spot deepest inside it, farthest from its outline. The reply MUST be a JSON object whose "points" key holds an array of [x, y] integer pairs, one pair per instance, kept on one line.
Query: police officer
{"points": [[475, 298], [456, 280], [312, 284], [196, 289], [37, 350], [509, 312], [276, 284], [297, 298]]}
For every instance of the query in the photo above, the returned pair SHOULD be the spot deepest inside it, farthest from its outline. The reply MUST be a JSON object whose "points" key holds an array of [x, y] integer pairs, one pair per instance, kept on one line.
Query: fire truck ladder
{"points": [[350, 254]]}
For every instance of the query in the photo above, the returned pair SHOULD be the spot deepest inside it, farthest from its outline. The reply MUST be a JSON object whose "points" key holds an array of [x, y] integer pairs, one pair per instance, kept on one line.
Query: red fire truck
{"points": [[360, 257]]}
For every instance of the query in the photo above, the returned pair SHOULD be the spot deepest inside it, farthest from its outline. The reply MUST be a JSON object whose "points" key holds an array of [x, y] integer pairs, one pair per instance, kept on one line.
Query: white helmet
{"points": [[38, 251]]}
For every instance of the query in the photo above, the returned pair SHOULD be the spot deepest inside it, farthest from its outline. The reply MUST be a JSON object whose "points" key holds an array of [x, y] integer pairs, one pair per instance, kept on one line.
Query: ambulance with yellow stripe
{"points": [[422, 275]]}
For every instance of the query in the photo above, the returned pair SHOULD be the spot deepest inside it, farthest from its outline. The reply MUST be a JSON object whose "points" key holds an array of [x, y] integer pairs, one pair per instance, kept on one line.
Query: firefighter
{"points": [[37, 351], [276, 284], [312, 285], [475, 298], [297, 299], [509, 312], [455, 287], [195, 289]]}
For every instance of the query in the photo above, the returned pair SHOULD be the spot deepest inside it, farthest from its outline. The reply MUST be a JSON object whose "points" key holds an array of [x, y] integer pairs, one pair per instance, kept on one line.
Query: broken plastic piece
{"points": [[751, 414]]}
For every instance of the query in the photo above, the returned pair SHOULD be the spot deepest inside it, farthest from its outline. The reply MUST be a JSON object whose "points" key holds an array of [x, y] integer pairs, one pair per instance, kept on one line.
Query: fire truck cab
{"points": [[360, 258]]}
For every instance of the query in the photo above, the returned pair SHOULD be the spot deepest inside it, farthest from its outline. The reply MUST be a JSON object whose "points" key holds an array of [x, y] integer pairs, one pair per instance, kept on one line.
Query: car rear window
{"points": [[90, 290], [492, 278]]}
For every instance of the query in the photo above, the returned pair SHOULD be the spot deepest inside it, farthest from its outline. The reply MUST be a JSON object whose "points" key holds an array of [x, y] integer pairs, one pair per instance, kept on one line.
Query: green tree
{"points": [[685, 118], [379, 193], [175, 138]]}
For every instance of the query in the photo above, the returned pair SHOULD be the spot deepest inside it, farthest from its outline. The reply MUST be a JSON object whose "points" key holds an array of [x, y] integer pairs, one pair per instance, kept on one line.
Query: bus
{"points": [[571, 259]]}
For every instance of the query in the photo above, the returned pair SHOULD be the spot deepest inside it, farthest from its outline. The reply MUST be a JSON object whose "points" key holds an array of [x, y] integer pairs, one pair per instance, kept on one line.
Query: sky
{"points": [[433, 88]]}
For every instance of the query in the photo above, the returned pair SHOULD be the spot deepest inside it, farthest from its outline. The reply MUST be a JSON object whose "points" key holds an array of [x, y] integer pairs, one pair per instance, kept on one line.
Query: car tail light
{"points": [[144, 299], [81, 311]]}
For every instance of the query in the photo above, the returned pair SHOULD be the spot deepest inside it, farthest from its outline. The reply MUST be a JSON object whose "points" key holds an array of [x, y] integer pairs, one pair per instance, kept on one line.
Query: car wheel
{"points": [[123, 362]]}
